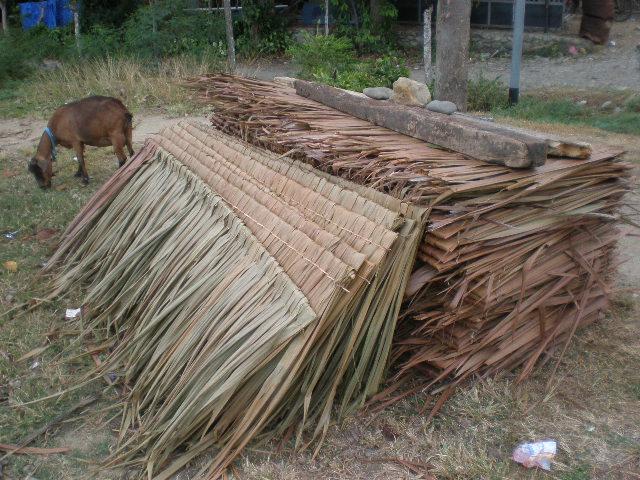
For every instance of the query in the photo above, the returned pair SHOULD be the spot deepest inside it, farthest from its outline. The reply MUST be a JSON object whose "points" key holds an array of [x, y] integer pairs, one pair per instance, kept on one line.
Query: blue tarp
{"points": [[64, 15], [51, 14]]}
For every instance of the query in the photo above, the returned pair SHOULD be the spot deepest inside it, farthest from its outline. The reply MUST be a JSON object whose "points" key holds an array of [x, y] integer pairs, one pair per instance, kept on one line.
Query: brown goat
{"points": [[96, 121]]}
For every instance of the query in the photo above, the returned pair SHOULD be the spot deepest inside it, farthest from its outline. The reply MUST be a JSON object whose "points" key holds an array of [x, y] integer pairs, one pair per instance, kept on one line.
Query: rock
{"points": [[442, 106], [378, 93], [48, 64], [10, 295], [617, 110], [581, 103], [286, 81], [606, 105], [410, 92]]}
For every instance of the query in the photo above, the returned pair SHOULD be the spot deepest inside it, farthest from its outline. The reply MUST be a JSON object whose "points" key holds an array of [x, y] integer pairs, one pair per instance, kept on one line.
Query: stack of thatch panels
{"points": [[246, 295], [512, 261]]}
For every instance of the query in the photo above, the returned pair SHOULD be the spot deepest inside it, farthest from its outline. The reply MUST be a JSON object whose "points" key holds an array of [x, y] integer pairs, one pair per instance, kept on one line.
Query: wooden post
{"points": [[426, 48], [452, 51], [3, 7], [231, 44]]}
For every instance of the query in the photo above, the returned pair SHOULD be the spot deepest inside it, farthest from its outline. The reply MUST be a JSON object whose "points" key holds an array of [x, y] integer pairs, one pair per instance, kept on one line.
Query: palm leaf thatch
{"points": [[512, 262], [250, 294]]}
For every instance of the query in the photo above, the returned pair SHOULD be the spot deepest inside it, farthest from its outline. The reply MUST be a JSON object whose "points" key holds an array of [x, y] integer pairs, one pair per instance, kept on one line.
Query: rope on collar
{"points": [[52, 137]]}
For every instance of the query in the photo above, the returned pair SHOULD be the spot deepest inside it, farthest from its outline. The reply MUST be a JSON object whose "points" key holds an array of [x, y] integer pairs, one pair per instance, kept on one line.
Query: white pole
{"points": [[426, 40], [516, 51], [231, 44]]}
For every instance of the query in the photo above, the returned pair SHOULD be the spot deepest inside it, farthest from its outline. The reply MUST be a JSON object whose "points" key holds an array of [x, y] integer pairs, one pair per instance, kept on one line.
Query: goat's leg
{"points": [[118, 142], [82, 168], [128, 136]]}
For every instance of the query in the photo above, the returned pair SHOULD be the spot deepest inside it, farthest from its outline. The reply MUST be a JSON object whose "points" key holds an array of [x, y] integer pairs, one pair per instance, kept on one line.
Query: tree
{"points": [[231, 44], [374, 10], [3, 7], [452, 51], [75, 8]]}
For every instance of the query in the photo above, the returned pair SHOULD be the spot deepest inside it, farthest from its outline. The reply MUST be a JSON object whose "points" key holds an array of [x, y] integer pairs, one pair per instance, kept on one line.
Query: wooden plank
{"points": [[556, 146], [493, 145]]}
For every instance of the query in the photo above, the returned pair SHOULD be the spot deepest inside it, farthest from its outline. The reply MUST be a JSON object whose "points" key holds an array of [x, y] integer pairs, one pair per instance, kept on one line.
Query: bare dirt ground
{"points": [[607, 67]]}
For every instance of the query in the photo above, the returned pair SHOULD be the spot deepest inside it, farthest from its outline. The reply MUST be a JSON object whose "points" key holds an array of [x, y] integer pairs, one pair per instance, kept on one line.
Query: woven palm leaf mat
{"points": [[512, 262], [248, 295]]}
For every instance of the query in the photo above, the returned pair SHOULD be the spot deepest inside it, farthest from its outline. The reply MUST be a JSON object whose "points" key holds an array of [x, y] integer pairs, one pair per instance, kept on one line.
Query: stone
{"points": [[581, 103], [285, 81], [606, 105], [617, 110], [48, 64], [410, 92], [442, 106], [378, 93]]}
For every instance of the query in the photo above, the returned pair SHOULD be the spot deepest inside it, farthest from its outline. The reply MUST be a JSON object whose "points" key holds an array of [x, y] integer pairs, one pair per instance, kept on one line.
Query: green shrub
{"points": [[21, 52], [13, 64], [165, 28], [633, 104], [319, 55], [332, 60], [261, 30], [101, 41], [353, 20], [484, 95]]}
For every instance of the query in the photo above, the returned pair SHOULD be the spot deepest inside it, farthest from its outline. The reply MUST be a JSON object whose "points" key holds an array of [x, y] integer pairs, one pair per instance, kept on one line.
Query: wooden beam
{"points": [[489, 143]]}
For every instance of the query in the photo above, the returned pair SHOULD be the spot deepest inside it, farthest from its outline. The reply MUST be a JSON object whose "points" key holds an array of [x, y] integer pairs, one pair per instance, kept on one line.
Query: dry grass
{"points": [[592, 407], [139, 84]]}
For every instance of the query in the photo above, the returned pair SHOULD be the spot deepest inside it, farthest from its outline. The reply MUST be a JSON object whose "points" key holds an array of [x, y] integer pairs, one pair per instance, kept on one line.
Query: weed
{"points": [[485, 94]]}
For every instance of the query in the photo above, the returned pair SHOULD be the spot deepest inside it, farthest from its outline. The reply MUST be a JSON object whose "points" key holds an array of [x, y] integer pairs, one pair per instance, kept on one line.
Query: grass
{"points": [[566, 111], [592, 407], [28, 210], [490, 95], [139, 84]]}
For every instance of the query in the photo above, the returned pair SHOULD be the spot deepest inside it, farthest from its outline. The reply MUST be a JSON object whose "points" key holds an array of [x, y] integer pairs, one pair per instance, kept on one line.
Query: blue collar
{"points": [[52, 137]]}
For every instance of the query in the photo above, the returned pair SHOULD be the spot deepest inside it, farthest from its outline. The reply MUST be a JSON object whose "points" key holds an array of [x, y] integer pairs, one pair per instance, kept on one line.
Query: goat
{"points": [[96, 121]]}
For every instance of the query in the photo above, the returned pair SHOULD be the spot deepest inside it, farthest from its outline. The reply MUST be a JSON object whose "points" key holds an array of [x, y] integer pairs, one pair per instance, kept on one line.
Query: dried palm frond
{"points": [[512, 262], [250, 294]]}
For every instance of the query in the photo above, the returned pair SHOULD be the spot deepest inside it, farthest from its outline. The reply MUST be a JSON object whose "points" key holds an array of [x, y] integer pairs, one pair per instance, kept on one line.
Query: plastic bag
{"points": [[536, 454]]}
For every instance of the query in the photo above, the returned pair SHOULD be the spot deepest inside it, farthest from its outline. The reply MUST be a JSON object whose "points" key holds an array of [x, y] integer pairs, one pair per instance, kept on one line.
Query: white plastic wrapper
{"points": [[536, 454], [72, 313]]}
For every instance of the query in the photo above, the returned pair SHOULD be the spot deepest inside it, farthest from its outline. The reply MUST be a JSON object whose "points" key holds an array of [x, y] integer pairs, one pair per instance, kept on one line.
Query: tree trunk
{"points": [[597, 17], [75, 8], [452, 51], [374, 9], [426, 47], [231, 45], [326, 17], [3, 7]]}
